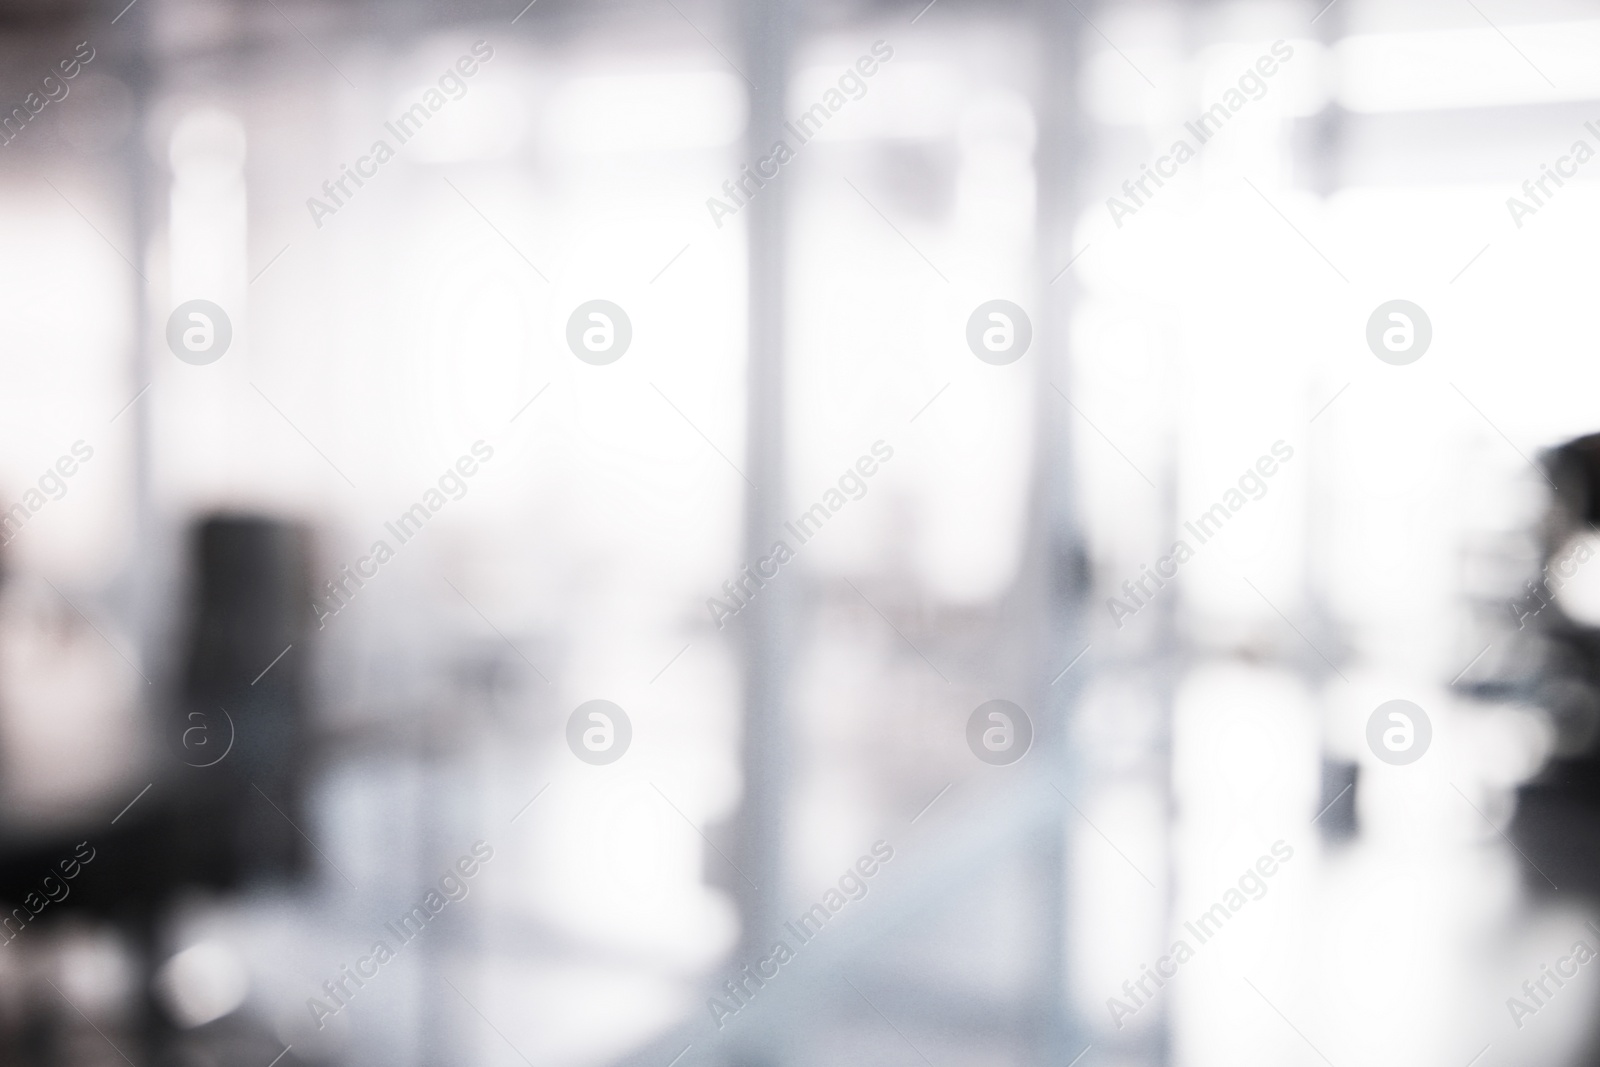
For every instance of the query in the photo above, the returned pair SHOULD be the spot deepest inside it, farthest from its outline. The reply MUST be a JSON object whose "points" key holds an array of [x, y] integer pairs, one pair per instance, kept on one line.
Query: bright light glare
{"points": [[647, 112], [203, 983], [1441, 69]]}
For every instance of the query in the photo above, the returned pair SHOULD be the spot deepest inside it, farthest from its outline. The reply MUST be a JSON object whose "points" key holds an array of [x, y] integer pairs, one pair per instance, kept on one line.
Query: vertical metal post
{"points": [[768, 25], [139, 581], [141, 185], [1056, 571]]}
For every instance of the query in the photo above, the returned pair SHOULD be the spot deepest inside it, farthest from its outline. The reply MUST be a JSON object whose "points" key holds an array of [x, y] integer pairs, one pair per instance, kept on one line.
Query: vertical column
{"points": [[142, 185], [140, 579], [768, 25], [1055, 573]]}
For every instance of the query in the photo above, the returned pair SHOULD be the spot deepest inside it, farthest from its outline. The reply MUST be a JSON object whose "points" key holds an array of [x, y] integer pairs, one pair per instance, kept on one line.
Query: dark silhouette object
{"points": [[1557, 823], [240, 734], [227, 796]]}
